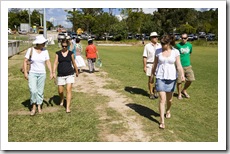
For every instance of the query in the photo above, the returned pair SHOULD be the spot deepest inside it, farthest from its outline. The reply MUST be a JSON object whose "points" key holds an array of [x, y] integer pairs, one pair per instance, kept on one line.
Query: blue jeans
{"points": [[36, 86]]}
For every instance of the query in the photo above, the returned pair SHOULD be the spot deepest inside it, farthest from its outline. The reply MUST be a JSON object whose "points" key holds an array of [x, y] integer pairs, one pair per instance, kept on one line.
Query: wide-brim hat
{"points": [[153, 34], [40, 39]]}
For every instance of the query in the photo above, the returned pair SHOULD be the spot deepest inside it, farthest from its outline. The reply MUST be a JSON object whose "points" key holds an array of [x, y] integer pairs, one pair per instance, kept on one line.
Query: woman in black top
{"points": [[64, 63]]}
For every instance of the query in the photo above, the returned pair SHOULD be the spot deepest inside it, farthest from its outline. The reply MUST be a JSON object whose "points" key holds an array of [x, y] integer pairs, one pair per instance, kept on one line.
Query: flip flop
{"points": [[186, 95], [162, 126], [179, 97], [168, 115]]}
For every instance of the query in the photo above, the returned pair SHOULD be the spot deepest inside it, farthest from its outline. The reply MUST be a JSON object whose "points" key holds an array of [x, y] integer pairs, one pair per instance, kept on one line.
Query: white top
{"points": [[149, 51], [38, 60], [166, 68]]}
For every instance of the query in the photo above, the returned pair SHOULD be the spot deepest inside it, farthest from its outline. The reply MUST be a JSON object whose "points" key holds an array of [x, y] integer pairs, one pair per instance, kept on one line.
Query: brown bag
{"points": [[28, 62]]}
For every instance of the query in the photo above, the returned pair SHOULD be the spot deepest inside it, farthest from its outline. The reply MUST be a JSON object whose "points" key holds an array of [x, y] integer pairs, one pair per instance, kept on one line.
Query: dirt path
{"points": [[95, 86]]}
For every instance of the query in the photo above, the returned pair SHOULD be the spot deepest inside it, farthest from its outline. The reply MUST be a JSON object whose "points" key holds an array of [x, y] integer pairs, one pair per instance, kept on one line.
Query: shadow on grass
{"points": [[136, 91], [55, 99], [87, 71], [144, 111]]}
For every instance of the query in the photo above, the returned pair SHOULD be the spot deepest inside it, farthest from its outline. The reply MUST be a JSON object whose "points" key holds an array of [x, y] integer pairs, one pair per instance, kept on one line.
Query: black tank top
{"points": [[65, 67]]}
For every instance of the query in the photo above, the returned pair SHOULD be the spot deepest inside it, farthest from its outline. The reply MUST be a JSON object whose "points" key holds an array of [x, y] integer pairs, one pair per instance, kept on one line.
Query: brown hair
{"points": [[65, 41], [168, 39]]}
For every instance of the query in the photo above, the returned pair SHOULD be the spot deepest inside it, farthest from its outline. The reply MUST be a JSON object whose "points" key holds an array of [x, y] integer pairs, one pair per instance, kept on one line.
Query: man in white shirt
{"points": [[148, 60]]}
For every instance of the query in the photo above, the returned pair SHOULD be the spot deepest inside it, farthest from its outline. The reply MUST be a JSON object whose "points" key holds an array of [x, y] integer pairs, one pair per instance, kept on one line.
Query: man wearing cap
{"points": [[148, 60]]}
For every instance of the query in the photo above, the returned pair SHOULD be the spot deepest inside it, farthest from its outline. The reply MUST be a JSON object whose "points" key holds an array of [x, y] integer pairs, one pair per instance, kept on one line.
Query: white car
{"points": [[9, 31]]}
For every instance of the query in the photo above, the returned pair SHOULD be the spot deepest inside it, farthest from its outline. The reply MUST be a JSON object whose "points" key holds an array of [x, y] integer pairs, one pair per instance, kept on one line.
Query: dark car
{"points": [[210, 37], [177, 37], [130, 36], [73, 35], [191, 37]]}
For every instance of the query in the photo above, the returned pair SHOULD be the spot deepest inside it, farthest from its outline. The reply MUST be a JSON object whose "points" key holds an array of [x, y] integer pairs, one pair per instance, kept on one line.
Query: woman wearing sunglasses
{"points": [[166, 74], [64, 60]]}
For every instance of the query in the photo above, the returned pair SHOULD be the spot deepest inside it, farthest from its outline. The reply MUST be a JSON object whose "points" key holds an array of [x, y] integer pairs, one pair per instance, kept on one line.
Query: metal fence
{"points": [[17, 44]]}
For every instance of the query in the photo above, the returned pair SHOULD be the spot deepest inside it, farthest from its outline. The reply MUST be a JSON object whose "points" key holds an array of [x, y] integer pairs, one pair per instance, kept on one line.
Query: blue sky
{"points": [[58, 15]]}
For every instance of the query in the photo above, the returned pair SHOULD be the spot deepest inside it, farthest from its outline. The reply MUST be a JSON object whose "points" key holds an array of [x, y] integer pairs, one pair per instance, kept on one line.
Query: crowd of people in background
{"points": [[166, 64]]}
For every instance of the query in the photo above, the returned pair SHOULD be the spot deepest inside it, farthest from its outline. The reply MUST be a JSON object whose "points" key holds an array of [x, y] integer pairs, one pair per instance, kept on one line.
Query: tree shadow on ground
{"points": [[136, 91], [144, 111]]}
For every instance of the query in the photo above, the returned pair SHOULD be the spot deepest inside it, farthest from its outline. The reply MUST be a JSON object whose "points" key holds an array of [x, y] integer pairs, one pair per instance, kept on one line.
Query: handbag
{"points": [[28, 63]]}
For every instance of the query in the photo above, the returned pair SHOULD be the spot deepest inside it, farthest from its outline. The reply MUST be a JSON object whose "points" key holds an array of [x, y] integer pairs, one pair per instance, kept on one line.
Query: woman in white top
{"points": [[78, 58], [37, 73], [165, 71]]}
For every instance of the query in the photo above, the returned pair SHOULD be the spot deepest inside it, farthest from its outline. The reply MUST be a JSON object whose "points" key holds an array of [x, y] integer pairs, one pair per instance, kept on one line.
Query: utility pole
{"points": [[44, 23], [29, 18]]}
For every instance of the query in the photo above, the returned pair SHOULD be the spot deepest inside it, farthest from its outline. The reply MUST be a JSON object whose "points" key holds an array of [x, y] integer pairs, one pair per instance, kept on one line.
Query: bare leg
{"points": [[150, 86], [68, 97], [33, 109], [61, 94], [169, 97], [39, 108], [179, 89], [186, 85], [162, 101]]}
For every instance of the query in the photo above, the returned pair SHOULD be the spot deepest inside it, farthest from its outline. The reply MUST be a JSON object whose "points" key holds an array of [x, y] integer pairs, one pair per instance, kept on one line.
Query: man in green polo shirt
{"points": [[185, 49]]}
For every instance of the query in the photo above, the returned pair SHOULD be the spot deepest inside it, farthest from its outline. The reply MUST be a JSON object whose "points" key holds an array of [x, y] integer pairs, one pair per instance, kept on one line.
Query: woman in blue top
{"points": [[165, 71]]}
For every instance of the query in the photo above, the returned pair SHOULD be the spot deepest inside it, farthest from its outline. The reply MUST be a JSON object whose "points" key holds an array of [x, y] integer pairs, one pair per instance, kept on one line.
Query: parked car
{"points": [[9, 31], [138, 36], [73, 35], [84, 36], [202, 34], [40, 30], [130, 36], [60, 37], [177, 37], [210, 37], [22, 32], [191, 37]]}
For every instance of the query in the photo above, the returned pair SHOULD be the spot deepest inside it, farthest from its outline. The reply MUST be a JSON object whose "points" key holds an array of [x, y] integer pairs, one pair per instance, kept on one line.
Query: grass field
{"points": [[193, 120]]}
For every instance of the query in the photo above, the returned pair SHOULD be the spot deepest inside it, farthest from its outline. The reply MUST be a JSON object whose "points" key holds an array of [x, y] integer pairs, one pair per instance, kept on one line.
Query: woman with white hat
{"points": [[37, 73]]}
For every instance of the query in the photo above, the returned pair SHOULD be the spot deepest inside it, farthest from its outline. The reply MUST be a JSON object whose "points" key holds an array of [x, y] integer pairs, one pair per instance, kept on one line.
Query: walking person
{"points": [[148, 60], [91, 54], [37, 73], [165, 71], [64, 60], [185, 49], [79, 60]]}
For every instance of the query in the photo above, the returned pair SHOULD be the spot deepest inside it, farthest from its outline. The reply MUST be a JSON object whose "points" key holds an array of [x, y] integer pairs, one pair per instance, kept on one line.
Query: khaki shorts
{"points": [[65, 80], [188, 73], [149, 69]]}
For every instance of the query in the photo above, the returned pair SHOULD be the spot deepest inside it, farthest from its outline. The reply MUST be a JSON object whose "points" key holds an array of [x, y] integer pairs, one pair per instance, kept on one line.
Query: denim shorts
{"points": [[165, 85]]}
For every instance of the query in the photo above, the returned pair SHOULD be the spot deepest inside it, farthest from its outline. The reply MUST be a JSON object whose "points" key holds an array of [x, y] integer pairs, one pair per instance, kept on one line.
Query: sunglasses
{"points": [[154, 36], [184, 38], [64, 46]]}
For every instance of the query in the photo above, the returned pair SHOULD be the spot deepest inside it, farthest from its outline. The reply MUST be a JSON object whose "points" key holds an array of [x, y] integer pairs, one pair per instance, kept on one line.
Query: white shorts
{"points": [[63, 80], [149, 69]]}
